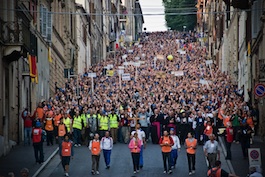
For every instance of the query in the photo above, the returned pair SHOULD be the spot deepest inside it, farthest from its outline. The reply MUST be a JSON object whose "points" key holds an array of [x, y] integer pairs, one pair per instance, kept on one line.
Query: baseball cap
{"points": [[38, 124]]}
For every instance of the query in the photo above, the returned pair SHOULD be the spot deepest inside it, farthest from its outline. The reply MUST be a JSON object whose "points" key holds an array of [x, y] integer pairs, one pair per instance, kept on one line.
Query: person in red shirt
{"points": [[37, 139], [66, 153], [27, 126], [229, 138]]}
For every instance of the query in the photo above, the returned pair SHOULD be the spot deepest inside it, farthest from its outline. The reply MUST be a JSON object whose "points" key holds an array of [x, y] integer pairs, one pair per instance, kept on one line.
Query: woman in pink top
{"points": [[135, 147]]}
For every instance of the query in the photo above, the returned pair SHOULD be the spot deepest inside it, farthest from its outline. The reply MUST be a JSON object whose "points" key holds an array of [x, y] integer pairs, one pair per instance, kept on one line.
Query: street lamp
{"points": [[184, 27]]}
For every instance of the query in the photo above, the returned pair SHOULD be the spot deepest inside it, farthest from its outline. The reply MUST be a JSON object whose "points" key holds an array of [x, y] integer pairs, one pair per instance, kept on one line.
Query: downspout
{"points": [[18, 107]]}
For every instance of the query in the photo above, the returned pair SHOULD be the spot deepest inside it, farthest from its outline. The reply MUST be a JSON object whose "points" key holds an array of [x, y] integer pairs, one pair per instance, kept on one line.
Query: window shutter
{"points": [[44, 22], [254, 16], [49, 27], [41, 18]]}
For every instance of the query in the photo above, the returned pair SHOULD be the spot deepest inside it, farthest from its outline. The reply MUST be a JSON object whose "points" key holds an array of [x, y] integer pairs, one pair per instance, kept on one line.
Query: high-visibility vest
{"points": [[103, 122], [95, 147], [214, 172], [83, 117], [49, 124], [208, 130], [66, 148], [57, 119], [77, 123], [113, 121], [61, 130], [191, 150], [67, 123], [166, 140], [36, 135]]}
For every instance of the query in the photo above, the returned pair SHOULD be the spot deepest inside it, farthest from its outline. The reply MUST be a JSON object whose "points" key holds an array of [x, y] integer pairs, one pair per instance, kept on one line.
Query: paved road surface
{"points": [[121, 164]]}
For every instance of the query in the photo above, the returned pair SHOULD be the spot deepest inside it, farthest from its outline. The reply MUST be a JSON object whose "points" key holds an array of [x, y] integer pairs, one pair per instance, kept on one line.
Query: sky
{"points": [[153, 22]]}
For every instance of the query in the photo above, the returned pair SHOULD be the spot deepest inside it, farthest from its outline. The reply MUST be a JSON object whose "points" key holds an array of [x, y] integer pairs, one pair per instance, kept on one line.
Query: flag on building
{"points": [[50, 55], [249, 49], [33, 72]]}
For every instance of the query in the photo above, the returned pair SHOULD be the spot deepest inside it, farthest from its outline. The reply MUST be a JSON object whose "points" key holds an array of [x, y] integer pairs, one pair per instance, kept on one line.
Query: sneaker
{"points": [[190, 173], [97, 172], [141, 166], [137, 171], [107, 167], [79, 145], [165, 172], [134, 172], [76, 145], [92, 172], [170, 171], [193, 171], [66, 174]]}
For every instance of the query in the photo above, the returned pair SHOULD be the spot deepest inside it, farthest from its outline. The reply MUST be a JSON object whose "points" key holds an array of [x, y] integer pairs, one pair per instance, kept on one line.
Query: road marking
{"points": [[45, 163]]}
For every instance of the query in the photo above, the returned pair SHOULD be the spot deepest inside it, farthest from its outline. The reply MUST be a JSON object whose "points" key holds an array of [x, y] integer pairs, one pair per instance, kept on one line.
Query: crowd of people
{"points": [[199, 101]]}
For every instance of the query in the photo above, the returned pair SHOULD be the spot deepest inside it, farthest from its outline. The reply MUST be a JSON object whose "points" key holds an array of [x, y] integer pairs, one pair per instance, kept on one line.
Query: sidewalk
{"points": [[241, 165], [23, 157]]}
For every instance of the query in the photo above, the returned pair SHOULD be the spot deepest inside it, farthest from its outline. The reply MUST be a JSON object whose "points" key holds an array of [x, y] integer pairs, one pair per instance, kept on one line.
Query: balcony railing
{"points": [[12, 33], [15, 33]]}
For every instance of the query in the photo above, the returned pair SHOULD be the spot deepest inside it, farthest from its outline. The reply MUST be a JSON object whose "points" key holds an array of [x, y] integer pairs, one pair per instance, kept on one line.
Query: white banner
{"points": [[208, 62], [91, 74], [126, 76], [137, 64], [120, 71], [178, 73]]}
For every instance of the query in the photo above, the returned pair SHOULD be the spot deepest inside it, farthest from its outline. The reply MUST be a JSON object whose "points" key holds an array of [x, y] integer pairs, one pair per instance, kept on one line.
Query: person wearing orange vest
{"points": [[57, 118], [66, 153], [37, 139], [135, 147], [191, 146], [61, 131], [217, 171], [49, 128], [95, 148], [39, 112], [208, 130], [166, 143]]}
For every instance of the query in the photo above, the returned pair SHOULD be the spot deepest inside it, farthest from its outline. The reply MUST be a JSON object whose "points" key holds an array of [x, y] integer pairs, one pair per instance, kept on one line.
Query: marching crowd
{"points": [[190, 109]]}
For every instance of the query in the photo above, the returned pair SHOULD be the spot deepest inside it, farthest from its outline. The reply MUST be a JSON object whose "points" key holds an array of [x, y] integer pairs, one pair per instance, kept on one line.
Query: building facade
{"points": [[236, 43]]}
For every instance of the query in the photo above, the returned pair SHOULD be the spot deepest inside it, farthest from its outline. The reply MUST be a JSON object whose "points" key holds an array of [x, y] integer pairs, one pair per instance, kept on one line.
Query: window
{"points": [[84, 34], [45, 23]]}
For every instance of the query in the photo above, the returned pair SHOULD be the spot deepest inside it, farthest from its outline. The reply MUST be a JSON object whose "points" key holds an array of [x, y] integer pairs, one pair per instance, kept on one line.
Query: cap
{"points": [[172, 129], [38, 124]]}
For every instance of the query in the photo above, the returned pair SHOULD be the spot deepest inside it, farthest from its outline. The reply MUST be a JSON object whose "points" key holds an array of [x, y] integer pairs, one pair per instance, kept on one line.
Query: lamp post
{"points": [[184, 28]]}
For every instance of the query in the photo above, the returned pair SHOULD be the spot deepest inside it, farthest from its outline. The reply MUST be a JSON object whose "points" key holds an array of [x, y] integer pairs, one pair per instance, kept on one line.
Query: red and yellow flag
{"points": [[33, 72]]}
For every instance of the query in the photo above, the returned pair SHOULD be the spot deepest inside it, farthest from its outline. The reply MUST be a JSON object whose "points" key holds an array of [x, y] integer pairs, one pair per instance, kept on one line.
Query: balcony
{"points": [[15, 33]]}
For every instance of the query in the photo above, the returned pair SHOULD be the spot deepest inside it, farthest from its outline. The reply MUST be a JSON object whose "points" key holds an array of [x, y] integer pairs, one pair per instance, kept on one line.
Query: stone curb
{"points": [[229, 164]]}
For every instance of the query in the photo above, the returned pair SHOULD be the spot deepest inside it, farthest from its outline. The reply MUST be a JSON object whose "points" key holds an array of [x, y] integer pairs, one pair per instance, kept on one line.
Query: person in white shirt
{"points": [[141, 136], [175, 148], [107, 145]]}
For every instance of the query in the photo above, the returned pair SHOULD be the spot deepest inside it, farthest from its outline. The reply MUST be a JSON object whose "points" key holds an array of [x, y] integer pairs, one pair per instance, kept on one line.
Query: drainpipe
{"points": [[18, 107]]}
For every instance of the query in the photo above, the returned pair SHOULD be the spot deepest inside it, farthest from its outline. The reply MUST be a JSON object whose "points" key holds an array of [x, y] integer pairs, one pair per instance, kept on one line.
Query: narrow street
{"points": [[121, 163]]}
